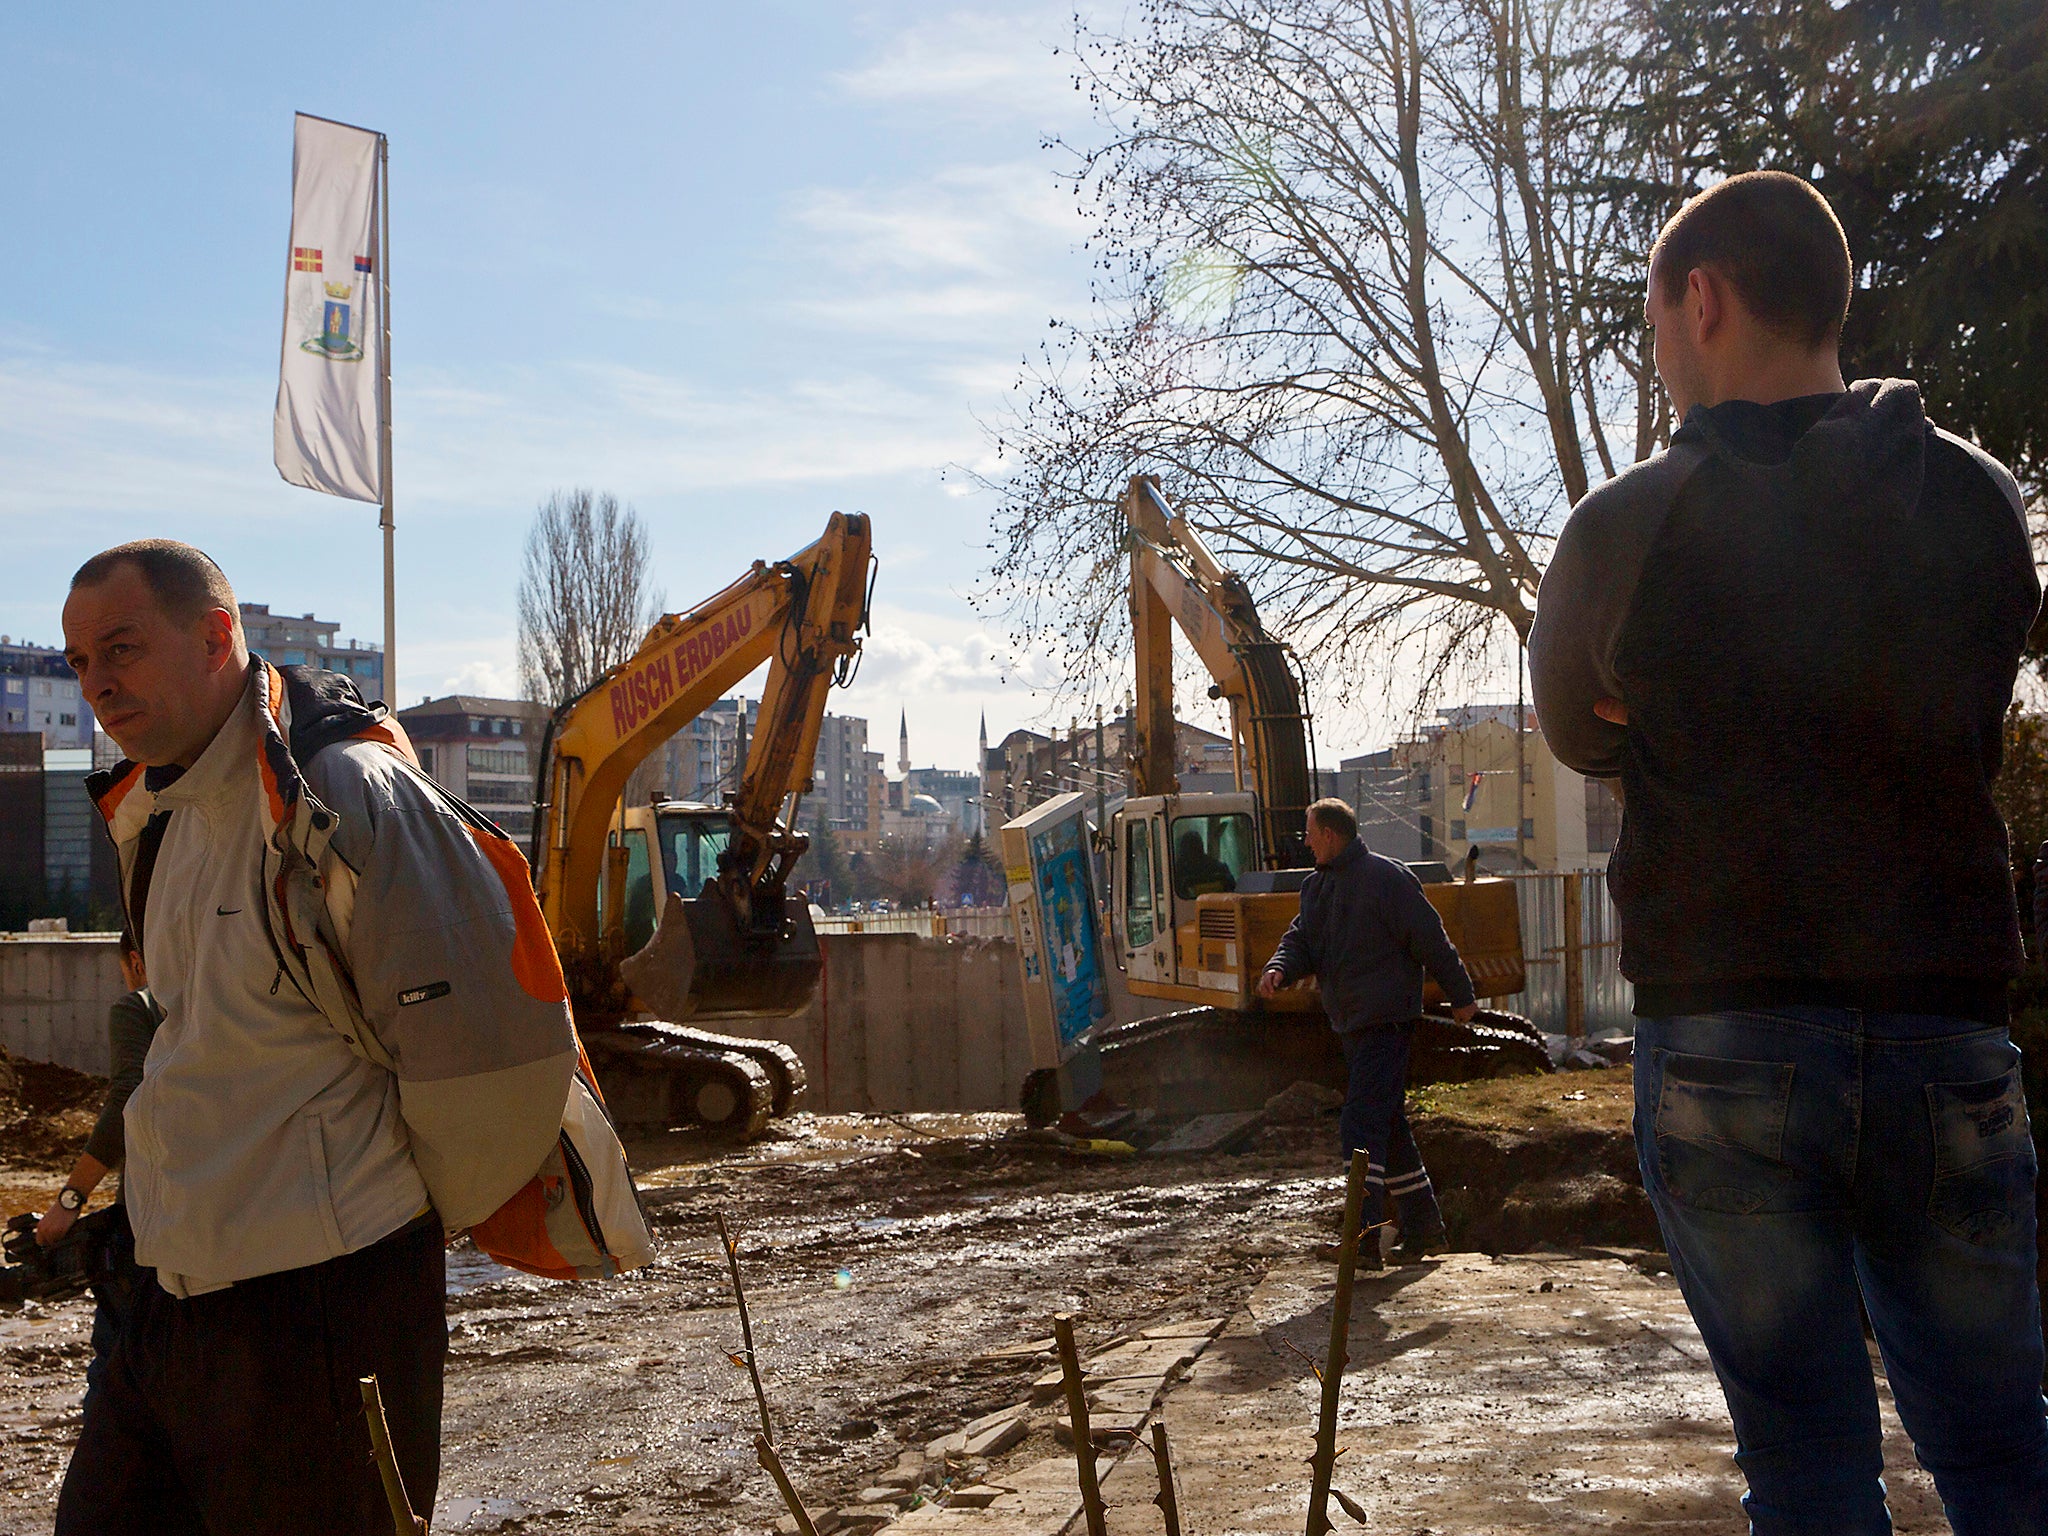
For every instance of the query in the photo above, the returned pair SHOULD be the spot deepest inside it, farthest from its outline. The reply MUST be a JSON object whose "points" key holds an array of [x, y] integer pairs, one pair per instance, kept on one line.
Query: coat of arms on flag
{"points": [[334, 340]]}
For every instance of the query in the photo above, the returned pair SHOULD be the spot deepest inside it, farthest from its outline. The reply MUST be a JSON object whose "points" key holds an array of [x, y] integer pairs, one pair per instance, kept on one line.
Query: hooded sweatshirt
{"points": [[1813, 612]]}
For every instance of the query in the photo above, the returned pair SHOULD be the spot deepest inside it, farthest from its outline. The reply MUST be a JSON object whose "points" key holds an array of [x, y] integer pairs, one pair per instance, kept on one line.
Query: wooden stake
{"points": [[773, 1463], [1325, 1461], [1077, 1416], [732, 1259], [1167, 1500], [403, 1520]]}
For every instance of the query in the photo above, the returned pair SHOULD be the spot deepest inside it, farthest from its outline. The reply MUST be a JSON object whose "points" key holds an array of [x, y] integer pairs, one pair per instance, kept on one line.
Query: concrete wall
{"points": [[903, 1023], [900, 1023], [55, 989]]}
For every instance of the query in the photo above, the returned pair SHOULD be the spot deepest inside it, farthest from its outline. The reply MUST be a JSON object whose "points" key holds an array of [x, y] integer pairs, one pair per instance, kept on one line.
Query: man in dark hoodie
{"points": [[1792, 637], [1367, 933]]}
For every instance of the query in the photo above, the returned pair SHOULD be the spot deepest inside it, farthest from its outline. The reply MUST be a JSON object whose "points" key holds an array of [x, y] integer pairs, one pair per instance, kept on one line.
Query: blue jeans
{"points": [[1375, 1118], [1802, 1157]]}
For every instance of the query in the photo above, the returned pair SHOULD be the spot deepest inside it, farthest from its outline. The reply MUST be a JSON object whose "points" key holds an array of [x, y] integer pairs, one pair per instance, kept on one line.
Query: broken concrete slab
{"points": [[1025, 1351], [861, 1517], [1200, 1328], [1104, 1428], [1126, 1397], [989, 1421], [998, 1437], [980, 1496], [1143, 1357], [1209, 1133]]}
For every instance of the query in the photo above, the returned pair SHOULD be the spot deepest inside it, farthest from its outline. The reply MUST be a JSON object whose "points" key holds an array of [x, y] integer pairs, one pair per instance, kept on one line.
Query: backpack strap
{"points": [[147, 846]]}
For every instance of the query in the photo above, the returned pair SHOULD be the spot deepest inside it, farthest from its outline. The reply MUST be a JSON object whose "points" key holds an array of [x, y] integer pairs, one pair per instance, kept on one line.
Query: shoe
{"points": [[1368, 1251], [1427, 1244]]}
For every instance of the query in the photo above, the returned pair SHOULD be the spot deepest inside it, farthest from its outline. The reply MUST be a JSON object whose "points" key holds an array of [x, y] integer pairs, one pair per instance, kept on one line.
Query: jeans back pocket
{"points": [[1983, 1159], [1720, 1129]]}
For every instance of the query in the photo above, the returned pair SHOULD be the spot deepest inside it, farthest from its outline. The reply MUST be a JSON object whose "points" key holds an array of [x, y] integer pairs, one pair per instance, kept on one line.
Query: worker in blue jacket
{"points": [[1367, 934]]}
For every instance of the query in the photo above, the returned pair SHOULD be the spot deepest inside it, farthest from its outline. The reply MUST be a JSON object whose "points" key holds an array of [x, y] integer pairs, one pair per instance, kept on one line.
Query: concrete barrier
{"points": [[903, 1023], [55, 989], [900, 1023]]}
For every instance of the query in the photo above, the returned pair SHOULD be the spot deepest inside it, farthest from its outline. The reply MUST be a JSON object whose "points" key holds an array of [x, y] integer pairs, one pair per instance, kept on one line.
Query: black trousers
{"points": [[237, 1413]]}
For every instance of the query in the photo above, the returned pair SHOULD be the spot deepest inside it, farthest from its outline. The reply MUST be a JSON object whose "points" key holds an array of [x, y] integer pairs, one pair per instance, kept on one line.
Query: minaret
{"points": [[981, 781], [903, 747]]}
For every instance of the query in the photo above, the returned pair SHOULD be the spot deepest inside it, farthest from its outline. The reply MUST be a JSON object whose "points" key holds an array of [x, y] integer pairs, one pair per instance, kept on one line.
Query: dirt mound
{"points": [[46, 1111], [1529, 1162]]}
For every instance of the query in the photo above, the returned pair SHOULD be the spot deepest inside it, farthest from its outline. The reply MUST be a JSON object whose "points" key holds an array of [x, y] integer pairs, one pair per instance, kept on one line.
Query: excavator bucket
{"points": [[701, 965]]}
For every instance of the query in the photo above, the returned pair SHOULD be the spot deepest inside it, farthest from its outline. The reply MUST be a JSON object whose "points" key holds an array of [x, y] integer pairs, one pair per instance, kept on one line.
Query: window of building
{"points": [[1529, 827], [42, 688], [67, 719], [476, 727], [291, 659], [497, 760], [1457, 829]]}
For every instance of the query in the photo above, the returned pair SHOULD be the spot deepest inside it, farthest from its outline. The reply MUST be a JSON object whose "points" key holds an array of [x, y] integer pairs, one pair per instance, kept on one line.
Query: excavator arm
{"points": [[1176, 580], [803, 615]]}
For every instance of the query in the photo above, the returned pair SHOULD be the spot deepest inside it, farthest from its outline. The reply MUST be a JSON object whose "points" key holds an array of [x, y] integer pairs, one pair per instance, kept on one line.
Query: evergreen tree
{"points": [[1925, 123]]}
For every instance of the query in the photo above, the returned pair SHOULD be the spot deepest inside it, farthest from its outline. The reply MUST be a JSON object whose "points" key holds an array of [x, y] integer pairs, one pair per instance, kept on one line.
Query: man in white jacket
{"points": [[290, 1175]]}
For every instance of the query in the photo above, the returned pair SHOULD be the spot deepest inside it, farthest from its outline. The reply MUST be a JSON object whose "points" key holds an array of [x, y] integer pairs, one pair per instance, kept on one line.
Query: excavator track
{"points": [[1215, 1060], [786, 1077], [658, 1076]]}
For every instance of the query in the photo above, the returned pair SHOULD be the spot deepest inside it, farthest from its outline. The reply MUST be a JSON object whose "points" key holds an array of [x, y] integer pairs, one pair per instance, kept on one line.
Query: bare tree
{"points": [[911, 870], [1371, 315], [584, 599]]}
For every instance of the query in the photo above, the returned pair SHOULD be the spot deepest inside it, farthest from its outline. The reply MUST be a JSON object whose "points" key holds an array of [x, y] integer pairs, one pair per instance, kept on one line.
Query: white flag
{"points": [[329, 429]]}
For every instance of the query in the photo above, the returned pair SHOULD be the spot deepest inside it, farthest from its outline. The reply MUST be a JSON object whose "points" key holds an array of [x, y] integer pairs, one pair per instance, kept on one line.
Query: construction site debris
{"points": [[1210, 1133], [1303, 1101]]}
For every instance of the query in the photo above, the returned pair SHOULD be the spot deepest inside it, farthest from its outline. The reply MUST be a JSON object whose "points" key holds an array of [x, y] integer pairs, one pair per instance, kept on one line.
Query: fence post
{"points": [[1574, 961]]}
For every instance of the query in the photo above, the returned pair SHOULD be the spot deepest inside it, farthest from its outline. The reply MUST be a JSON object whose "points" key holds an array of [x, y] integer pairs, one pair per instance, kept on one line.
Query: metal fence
{"points": [[1549, 903], [1547, 900], [974, 923]]}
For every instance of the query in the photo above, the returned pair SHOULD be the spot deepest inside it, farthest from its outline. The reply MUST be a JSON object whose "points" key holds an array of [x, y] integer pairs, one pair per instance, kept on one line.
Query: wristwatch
{"points": [[71, 1198]]}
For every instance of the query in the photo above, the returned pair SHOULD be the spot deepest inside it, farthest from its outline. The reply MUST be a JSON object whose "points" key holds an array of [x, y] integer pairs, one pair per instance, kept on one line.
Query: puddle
{"points": [[468, 1269], [467, 1514], [879, 1223]]}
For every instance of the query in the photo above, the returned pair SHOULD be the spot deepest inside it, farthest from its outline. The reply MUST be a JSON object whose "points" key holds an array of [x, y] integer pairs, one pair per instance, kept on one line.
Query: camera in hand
{"points": [[81, 1257]]}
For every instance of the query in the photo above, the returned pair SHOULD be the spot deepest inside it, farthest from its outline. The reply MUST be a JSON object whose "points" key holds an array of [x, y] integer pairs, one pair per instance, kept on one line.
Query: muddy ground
{"points": [[887, 1260]]}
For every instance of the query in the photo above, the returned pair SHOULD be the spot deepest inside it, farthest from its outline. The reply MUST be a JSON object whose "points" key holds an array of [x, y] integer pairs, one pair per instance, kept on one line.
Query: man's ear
{"points": [[1706, 303], [217, 629]]}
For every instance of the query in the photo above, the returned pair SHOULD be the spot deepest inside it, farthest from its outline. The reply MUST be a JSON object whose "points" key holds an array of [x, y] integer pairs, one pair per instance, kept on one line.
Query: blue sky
{"points": [[740, 266]]}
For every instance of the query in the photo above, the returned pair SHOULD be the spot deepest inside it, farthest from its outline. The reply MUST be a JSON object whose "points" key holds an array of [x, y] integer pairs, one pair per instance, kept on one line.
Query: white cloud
{"points": [[976, 64]]}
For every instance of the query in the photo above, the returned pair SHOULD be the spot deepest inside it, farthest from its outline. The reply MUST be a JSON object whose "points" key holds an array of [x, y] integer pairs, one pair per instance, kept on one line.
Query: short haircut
{"points": [[130, 950], [1772, 238], [184, 580], [1333, 815]]}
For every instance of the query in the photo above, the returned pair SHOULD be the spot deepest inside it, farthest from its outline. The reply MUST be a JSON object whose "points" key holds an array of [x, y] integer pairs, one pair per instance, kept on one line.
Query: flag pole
{"points": [[384, 422]]}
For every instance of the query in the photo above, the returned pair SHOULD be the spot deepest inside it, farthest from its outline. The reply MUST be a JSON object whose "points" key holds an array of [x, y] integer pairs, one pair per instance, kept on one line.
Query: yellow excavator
{"points": [[1202, 885], [673, 914]]}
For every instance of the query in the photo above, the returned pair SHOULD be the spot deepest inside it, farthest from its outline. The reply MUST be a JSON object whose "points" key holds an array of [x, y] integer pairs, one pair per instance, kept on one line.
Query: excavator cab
{"points": [[706, 959]]}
